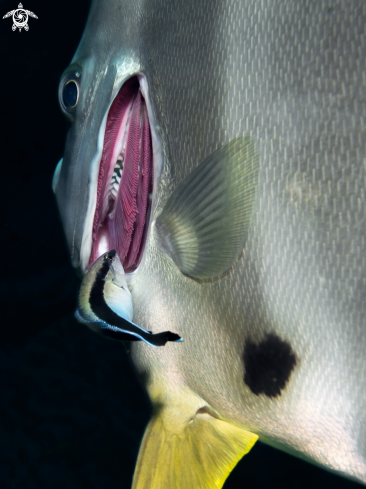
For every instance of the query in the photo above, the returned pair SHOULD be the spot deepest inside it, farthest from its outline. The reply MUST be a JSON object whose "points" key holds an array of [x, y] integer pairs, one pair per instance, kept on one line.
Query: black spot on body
{"points": [[268, 365]]}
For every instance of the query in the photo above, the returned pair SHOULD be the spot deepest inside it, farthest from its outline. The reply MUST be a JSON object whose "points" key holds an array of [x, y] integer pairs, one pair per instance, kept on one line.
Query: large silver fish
{"points": [[270, 300]]}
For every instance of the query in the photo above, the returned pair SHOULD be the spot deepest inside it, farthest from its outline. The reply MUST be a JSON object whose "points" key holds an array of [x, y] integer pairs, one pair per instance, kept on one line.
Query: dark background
{"points": [[72, 412]]}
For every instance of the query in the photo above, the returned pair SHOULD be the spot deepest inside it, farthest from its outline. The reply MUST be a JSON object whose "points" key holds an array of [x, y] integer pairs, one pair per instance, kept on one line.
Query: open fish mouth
{"points": [[125, 180]]}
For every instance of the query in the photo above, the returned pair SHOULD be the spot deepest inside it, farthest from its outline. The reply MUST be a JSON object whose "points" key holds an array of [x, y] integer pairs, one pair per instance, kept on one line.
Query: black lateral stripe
{"points": [[103, 311]]}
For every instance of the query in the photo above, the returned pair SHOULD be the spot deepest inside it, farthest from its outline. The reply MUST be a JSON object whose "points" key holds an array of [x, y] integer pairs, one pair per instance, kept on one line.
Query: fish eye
{"points": [[70, 94], [69, 91]]}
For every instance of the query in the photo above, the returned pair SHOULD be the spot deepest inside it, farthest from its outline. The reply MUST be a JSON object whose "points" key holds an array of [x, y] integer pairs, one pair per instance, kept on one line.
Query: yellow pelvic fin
{"points": [[201, 456]]}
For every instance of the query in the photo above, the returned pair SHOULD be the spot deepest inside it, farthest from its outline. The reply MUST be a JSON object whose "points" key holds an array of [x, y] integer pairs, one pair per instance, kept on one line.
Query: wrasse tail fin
{"points": [[200, 457], [205, 222]]}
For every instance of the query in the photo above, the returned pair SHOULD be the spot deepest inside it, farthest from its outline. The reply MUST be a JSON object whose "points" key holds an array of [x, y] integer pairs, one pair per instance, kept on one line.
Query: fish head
{"points": [[71, 180], [113, 269], [87, 89]]}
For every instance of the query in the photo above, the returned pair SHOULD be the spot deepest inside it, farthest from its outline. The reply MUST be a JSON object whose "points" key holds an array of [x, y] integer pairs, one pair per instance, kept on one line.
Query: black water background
{"points": [[72, 412]]}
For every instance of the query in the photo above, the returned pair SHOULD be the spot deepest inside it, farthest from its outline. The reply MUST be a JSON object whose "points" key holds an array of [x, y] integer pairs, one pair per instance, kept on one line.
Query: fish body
{"points": [[274, 341], [105, 304]]}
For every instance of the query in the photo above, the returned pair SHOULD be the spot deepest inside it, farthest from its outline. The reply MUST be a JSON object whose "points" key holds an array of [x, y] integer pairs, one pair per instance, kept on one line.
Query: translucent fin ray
{"points": [[204, 224]]}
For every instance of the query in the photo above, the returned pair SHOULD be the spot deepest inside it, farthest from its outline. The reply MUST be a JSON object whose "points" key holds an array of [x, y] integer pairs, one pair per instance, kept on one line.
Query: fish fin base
{"points": [[201, 456], [205, 222]]}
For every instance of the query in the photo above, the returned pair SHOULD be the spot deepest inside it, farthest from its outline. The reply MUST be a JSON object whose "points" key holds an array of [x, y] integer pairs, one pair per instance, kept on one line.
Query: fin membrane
{"points": [[205, 222], [201, 457]]}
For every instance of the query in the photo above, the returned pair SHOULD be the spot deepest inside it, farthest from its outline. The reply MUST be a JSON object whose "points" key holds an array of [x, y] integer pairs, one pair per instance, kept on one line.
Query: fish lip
{"points": [[86, 241], [56, 175]]}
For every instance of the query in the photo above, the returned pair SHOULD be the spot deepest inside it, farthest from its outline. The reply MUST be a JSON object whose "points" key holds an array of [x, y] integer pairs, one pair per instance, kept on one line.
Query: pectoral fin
{"points": [[200, 457], [204, 224]]}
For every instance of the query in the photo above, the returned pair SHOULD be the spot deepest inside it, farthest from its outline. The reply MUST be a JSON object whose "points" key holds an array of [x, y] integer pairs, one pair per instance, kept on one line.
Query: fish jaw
{"points": [[74, 177]]}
